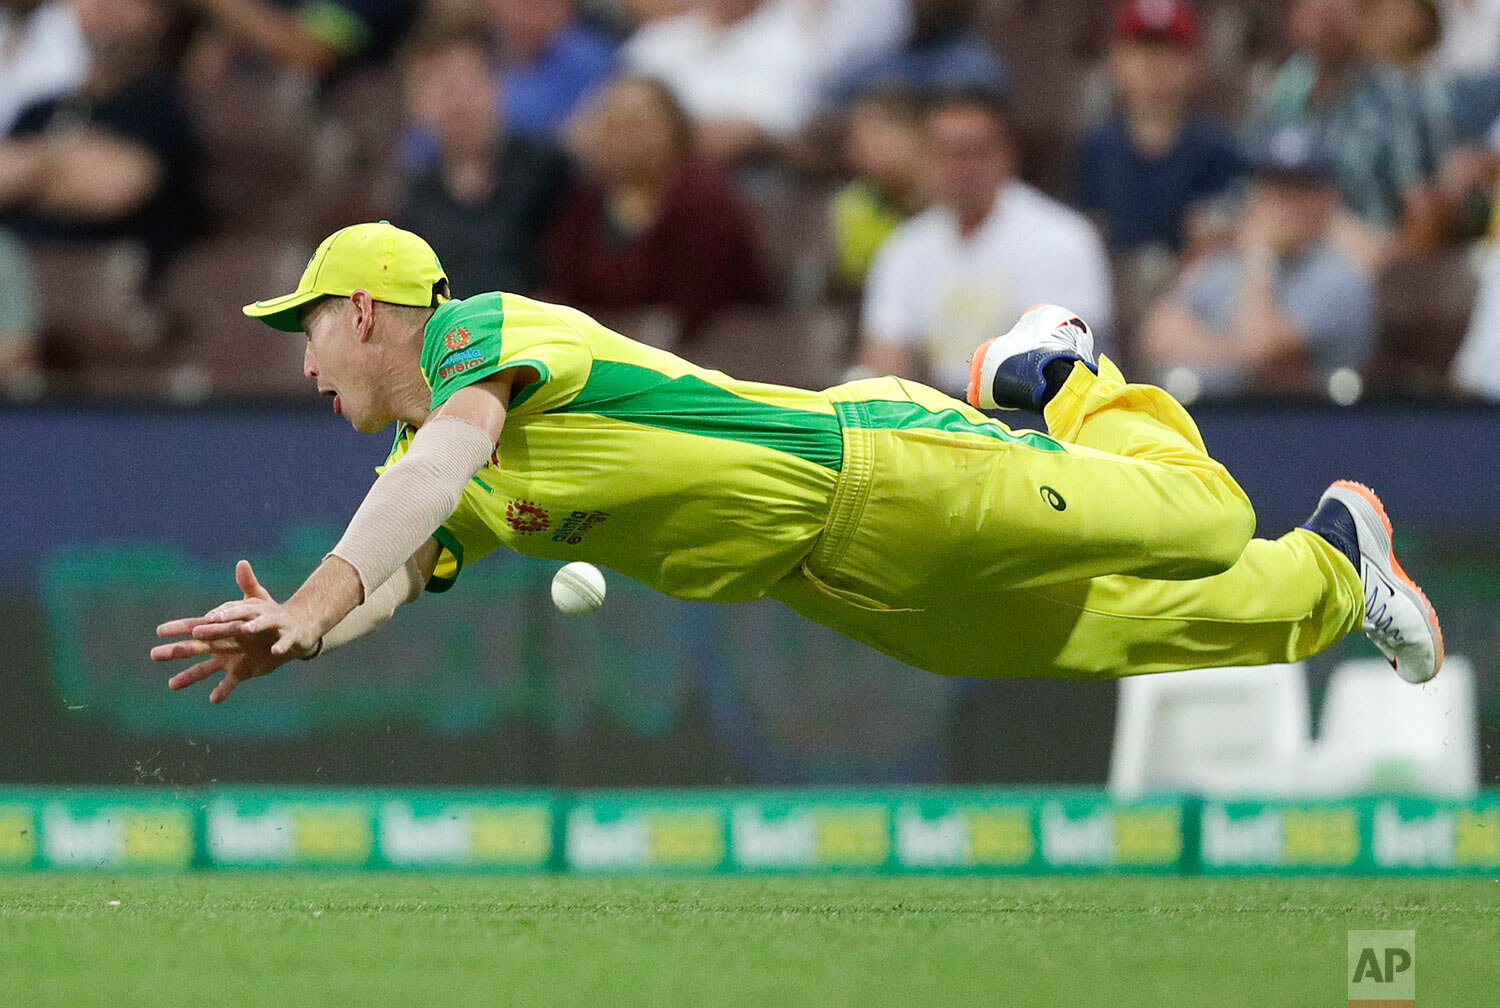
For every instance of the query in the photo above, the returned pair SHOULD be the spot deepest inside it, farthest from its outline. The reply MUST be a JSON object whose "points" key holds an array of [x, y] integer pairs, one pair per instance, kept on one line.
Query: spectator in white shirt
{"points": [[990, 247], [745, 70], [750, 71], [42, 55]]}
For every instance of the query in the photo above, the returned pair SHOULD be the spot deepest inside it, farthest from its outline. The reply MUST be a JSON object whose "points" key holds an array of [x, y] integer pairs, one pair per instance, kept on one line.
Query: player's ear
{"points": [[363, 314]]}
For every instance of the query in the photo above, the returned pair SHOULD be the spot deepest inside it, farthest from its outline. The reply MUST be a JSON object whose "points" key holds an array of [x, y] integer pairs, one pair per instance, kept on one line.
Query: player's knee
{"points": [[1231, 530]]}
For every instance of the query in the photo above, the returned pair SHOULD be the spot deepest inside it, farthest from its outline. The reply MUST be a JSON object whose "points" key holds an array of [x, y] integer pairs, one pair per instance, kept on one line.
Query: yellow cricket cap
{"points": [[395, 266]]}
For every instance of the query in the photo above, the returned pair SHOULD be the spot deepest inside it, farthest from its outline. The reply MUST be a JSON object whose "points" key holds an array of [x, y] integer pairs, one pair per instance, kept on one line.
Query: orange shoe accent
{"points": [[976, 368], [1432, 616]]}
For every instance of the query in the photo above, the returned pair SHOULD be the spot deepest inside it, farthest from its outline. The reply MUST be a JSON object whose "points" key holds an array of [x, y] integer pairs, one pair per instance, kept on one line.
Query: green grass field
{"points": [[287, 940]]}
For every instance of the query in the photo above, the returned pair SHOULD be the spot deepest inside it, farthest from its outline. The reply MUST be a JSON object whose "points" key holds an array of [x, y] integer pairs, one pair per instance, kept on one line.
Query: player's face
{"points": [[342, 365]]}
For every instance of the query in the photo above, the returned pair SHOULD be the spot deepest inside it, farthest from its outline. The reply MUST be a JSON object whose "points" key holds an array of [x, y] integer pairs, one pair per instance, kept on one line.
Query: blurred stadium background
{"points": [[1282, 210]]}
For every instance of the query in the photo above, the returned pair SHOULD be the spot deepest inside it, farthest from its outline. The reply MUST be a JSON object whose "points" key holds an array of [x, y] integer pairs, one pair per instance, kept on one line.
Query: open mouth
{"points": [[338, 404]]}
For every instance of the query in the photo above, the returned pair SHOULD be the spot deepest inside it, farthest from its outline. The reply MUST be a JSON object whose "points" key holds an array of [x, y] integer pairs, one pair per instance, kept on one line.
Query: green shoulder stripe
{"points": [[690, 405], [886, 414]]}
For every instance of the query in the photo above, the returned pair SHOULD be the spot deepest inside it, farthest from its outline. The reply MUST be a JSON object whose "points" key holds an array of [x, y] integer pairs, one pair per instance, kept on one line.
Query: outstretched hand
{"points": [[244, 638]]}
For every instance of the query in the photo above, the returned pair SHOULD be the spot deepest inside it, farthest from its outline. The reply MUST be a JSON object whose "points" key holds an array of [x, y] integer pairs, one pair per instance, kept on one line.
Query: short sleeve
{"points": [[464, 537], [1223, 165], [468, 341]]}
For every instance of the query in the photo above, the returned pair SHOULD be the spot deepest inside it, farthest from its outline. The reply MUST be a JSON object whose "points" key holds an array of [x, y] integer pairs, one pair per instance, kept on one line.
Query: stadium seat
{"points": [[1139, 279], [1215, 732], [356, 149], [1378, 733]]}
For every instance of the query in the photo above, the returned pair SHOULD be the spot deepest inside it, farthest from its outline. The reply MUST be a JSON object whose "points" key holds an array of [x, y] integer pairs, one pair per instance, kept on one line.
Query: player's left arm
{"points": [[404, 507]]}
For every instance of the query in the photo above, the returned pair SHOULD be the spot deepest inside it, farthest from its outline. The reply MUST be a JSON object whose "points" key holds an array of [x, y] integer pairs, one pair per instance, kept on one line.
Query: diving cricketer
{"points": [[1111, 546]]}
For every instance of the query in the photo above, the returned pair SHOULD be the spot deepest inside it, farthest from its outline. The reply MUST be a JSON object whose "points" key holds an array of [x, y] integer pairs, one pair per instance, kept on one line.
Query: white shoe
{"points": [[1398, 618], [1007, 371]]}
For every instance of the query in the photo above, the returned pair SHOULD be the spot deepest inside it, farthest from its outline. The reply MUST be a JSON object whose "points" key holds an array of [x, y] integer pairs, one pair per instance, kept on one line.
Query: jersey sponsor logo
{"points": [[1054, 499], [460, 356], [574, 526], [457, 338], [459, 367], [527, 517]]}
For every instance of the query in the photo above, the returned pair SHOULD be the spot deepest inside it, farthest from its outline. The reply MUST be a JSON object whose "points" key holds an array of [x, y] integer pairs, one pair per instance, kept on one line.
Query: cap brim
{"points": [[283, 312]]}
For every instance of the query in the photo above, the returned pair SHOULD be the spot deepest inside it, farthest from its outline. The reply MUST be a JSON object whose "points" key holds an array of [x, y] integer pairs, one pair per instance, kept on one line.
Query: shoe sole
{"points": [[1402, 577], [976, 373]]}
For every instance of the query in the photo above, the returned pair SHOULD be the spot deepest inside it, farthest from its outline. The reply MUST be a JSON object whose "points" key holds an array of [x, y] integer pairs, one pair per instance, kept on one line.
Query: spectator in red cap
{"points": [[1141, 170]]}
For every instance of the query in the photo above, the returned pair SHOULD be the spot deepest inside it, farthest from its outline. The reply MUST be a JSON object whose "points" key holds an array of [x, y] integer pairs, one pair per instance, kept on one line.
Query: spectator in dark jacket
{"points": [[118, 159], [485, 202], [649, 227]]}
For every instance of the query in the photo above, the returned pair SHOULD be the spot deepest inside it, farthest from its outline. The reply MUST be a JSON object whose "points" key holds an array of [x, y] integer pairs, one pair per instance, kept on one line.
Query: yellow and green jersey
{"points": [[683, 478]]}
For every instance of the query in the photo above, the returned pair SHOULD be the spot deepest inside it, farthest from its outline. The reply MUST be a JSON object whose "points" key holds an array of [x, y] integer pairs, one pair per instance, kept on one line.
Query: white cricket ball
{"points": [[578, 588]]}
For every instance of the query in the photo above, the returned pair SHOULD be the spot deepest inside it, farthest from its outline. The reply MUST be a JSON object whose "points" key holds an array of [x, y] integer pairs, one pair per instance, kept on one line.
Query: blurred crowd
{"points": [[1286, 198]]}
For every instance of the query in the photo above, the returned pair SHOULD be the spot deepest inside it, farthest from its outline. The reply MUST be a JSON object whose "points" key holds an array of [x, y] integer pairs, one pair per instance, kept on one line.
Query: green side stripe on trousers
{"points": [[885, 414]]}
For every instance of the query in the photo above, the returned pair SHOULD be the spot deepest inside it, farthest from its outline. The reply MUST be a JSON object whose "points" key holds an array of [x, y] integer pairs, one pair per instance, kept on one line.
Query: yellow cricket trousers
{"points": [[1114, 547]]}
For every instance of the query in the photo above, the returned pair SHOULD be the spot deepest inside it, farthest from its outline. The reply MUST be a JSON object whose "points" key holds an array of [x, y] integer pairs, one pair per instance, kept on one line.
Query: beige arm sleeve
{"points": [[412, 498], [402, 587]]}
